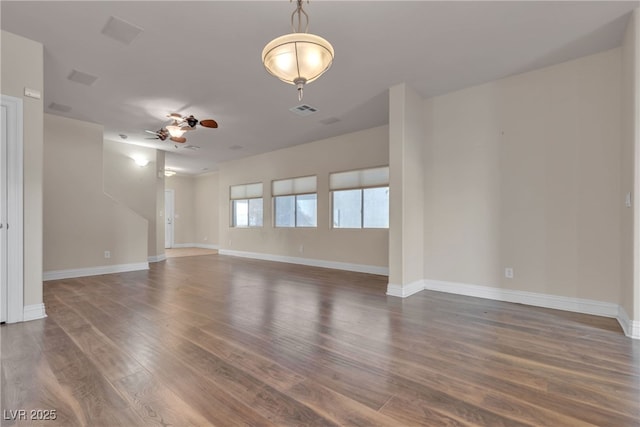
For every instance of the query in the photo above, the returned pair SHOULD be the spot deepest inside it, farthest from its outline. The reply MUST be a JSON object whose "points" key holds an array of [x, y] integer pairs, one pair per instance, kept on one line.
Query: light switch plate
{"points": [[32, 93]]}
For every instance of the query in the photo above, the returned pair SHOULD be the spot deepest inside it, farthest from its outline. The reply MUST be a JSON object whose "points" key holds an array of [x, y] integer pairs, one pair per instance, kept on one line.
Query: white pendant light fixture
{"points": [[298, 58]]}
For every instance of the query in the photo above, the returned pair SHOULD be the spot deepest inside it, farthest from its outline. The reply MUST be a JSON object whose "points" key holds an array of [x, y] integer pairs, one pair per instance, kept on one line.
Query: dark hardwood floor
{"points": [[215, 340]]}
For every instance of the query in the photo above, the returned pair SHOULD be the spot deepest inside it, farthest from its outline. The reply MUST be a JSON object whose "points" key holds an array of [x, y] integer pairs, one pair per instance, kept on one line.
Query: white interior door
{"points": [[168, 218], [3, 217]]}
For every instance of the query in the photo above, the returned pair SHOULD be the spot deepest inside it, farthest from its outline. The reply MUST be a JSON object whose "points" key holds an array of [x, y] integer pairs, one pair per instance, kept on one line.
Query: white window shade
{"points": [[286, 187], [246, 191], [374, 177]]}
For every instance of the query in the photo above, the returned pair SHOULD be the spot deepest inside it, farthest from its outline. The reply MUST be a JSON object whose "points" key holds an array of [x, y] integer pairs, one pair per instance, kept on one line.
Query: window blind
{"points": [[287, 187], [246, 191], [363, 178]]}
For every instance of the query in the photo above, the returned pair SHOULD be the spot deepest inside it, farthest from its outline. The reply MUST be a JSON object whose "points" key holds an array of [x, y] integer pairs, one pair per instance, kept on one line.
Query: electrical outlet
{"points": [[205, 238], [107, 254], [508, 273], [301, 249]]}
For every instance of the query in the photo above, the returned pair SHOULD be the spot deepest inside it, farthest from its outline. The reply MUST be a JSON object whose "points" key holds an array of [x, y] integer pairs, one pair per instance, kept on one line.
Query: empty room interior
{"points": [[327, 213]]}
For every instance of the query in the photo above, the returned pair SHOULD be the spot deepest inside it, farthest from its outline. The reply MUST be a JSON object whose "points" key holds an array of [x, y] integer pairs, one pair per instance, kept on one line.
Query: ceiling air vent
{"points": [[120, 30], [59, 107], [329, 120], [303, 110], [82, 78]]}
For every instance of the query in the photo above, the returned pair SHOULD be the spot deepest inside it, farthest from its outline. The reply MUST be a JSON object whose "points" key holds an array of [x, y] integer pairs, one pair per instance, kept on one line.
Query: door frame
{"points": [[169, 197], [15, 222]]}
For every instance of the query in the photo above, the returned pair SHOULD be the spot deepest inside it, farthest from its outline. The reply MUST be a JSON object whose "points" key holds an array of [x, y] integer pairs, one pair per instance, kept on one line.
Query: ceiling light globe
{"points": [[297, 57], [175, 131]]}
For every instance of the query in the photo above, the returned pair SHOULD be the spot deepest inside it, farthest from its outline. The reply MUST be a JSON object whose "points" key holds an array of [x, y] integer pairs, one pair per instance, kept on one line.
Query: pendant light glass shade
{"points": [[298, 57]]}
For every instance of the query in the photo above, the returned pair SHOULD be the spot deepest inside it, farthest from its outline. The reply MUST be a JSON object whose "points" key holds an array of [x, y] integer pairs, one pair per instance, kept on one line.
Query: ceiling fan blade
{"points": [[181, 139], [153, 138], [151, 132], [209, 123]]}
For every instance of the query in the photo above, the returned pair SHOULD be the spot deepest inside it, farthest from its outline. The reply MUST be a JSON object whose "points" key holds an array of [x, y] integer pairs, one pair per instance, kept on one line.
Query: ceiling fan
{"points": [[163, 134], [179, 125]]}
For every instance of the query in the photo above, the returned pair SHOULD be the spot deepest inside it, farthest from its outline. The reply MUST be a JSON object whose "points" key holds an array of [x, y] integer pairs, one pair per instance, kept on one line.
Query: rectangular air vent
{"points": [[329, 120], [59, 107], [82, 78], [303, 110], [120, 30]]}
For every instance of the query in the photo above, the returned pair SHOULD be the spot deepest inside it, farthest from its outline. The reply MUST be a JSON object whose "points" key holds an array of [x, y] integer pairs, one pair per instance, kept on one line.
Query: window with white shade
{"points": [[295, 202], [246, 205], [360, 198]]}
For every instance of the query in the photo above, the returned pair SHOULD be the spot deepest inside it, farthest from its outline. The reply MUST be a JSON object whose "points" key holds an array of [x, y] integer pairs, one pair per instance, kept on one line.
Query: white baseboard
{"points": [[94, 271], [33, 312], [205, 246], [195, 245], [579, 305], [630, 327], [157, 258], [403, 291], [183, 245], [361, 268]]}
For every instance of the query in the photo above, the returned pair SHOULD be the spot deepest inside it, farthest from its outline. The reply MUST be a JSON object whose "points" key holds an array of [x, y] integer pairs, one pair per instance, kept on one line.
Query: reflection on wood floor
{"points": [[216, 340]]}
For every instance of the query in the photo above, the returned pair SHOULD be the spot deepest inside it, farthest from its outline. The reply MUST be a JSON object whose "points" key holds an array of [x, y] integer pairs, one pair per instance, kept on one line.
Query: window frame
{"points": [[232, 206], [362, 227], [295, 195], [361, 187]]}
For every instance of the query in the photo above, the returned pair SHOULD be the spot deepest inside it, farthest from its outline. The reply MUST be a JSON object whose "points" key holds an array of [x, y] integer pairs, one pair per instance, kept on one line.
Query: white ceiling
{"points": [[203, 58]]}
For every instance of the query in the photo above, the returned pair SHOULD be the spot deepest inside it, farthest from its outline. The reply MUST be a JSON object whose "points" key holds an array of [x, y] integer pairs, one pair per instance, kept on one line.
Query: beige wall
{"points": [[184, 228], [206, 209], [132, 185], [22, 66], [351, 151], [80, 220], [630, 298], [524, 172]]}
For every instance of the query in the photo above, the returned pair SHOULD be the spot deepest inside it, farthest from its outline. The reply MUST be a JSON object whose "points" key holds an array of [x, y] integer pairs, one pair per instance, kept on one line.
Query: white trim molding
{"points": [[194, 245], [15, 210], [157, 258], [94, 271], [34, 312], [403, 291], [360, 268], [205, 246], [630, 327], [579, 305]]}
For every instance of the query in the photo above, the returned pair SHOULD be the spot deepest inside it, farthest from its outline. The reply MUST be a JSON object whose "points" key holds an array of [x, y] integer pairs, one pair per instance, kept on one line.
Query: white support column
{"points": [[406, 192]]}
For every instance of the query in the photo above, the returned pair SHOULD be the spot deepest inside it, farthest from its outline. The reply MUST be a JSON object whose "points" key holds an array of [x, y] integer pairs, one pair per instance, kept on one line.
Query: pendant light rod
{"points": [[299, 12]]}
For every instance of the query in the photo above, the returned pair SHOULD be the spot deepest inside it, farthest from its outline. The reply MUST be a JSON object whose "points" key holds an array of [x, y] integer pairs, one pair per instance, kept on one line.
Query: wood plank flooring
{"points": [[223, 341]]}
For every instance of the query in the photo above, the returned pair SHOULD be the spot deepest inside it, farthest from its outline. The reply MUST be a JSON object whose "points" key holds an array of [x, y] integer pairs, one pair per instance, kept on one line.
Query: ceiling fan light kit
{"points": [[179, 126], [300, 57]]}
